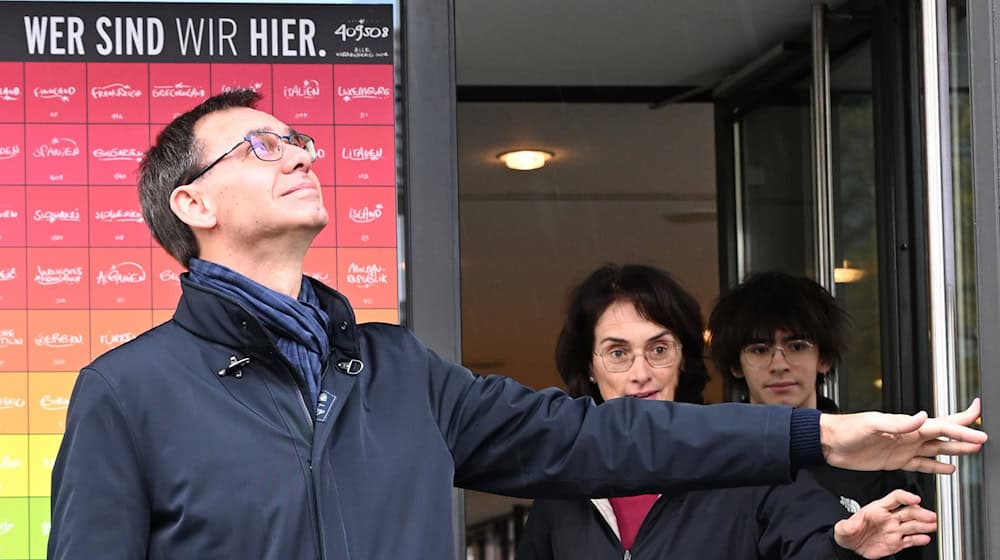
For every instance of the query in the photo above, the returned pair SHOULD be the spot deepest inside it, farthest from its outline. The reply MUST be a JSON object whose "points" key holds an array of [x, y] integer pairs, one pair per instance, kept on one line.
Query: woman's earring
{"points": [[592, 379]]}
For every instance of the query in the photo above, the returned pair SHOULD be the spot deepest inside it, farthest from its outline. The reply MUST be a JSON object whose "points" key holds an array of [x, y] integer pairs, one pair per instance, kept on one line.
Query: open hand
{"points": [[871, 441]]}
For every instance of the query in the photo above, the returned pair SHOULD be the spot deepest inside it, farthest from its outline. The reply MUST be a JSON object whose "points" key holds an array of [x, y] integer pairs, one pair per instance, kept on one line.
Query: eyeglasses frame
{"points": [[645, 355], [285, 139], [784, 351]]}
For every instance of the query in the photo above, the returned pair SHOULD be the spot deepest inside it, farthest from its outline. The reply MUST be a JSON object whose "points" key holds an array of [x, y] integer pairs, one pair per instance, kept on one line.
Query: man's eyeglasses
{"points": [[267, 146], [761, 354], [659, 355]]}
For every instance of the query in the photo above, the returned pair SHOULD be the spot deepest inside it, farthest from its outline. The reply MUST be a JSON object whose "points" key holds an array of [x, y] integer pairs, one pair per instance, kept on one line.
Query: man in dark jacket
{"points": [[778, 336], [262, 422]]}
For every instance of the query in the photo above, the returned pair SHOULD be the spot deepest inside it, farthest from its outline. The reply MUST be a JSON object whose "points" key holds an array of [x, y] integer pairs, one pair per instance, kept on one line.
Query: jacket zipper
{"points": [[312, 481], [305, 409], [290, 370], [628, 555]]}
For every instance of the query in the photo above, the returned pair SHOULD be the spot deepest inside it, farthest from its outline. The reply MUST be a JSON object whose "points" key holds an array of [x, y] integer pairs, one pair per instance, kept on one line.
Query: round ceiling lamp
{"points": [[525, 160]]}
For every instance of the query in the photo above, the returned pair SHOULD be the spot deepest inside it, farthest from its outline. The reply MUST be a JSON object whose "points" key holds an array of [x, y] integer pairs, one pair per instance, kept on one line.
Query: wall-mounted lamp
{"points": [[847, 274], [525, 160]]}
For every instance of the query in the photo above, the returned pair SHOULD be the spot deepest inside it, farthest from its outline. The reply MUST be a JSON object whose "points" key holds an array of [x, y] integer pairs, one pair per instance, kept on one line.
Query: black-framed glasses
{"points": [[267, 146], [660, 354], [761, 354]]}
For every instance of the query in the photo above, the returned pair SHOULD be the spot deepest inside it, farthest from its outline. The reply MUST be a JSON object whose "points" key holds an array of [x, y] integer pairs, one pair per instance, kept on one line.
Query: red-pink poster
{"points": [[84, 89]]}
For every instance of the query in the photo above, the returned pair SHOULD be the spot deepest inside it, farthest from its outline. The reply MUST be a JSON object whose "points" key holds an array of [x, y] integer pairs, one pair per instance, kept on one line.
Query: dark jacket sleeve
{"points": [[535, 543], [508, 439], [796, 522], [99, 505]]}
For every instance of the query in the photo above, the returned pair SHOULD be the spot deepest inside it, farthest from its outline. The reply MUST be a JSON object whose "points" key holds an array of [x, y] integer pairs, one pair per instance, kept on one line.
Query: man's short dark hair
{"points": [[767, 302], [657, 298], [167, 165]]}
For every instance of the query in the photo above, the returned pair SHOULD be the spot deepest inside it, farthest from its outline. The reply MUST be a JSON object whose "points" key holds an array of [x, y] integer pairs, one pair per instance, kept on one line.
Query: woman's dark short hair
{"points": [[767, 302], [169, 163], [657, 298]]}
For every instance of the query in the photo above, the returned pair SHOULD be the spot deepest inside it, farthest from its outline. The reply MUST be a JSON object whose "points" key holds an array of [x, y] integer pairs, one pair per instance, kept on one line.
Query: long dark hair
{"points": [[657, 298]]}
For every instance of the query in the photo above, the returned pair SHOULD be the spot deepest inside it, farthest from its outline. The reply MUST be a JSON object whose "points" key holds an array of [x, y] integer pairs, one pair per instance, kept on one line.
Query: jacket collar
{"points": [[607, 513], [215, 316]]}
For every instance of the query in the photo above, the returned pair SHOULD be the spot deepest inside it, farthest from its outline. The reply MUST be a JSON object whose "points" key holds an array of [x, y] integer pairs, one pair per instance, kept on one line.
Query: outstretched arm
{"points": [[872, 441], [886, 526]]}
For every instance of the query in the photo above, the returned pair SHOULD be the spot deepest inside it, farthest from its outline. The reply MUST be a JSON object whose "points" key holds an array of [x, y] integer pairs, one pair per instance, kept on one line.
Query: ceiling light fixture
{"points": [[847, 274], [525, 160]]}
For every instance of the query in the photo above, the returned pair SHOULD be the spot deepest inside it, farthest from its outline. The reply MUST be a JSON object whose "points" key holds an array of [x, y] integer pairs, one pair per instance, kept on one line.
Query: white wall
{"points": [[628, 184]]}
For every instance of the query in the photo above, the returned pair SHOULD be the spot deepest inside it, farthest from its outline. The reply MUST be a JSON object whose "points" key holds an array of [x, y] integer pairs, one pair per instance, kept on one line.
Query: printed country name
{"points": [[8, 274], [321, 276], [57, 147], [116, 90], [366, 276], [363, 92], [9, 152], [365, 215], [53, 216], [126, 272], [58, 340], [63, 275], [118, 216], [170, 275], [308, 89], [118, 154], [61, 93], [10, 338], [9, 463], [49, 402], [256, 86], [10, 93], [361, 154], [8, 403], [180, 89], [114, 339]]}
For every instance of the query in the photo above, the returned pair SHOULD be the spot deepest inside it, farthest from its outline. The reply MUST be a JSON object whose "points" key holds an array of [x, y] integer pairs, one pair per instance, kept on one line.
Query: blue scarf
{"points": [[298, 326]]}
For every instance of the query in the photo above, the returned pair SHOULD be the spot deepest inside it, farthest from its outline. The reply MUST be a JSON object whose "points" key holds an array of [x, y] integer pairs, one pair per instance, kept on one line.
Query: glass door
{"points": [[776, 197]]}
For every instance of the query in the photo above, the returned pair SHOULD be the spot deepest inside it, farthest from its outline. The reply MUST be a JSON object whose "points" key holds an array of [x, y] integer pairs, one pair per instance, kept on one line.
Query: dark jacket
{"points": [[783, 522], [163, 458]]}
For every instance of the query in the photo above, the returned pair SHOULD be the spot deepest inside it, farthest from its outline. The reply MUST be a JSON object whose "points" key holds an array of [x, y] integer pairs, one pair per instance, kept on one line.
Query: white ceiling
{"points": [[620, 43]]}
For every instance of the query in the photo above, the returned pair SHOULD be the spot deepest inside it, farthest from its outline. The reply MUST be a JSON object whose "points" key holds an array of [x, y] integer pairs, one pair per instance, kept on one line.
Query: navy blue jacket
{"points": [[784, 522], [163, 458]]}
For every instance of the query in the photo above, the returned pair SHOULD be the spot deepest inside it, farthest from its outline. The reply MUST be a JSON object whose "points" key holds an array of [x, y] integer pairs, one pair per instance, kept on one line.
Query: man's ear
{"points": [[736, 373], [824, 367], [191, 206]]}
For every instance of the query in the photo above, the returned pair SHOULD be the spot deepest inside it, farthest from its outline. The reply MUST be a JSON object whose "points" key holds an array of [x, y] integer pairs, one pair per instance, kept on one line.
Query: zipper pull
{"points": [[628, 555]]}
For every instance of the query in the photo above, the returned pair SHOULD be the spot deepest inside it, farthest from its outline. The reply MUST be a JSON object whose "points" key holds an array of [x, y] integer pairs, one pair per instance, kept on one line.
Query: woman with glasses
{"points": [[778, 337], [632, 332]]}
